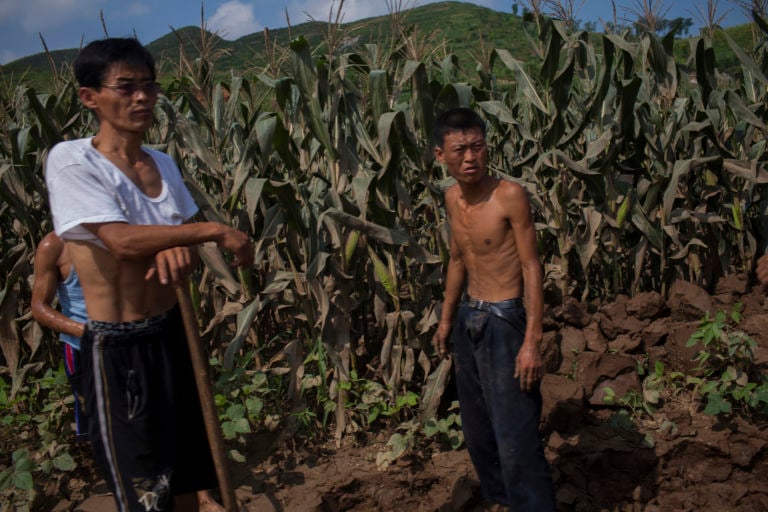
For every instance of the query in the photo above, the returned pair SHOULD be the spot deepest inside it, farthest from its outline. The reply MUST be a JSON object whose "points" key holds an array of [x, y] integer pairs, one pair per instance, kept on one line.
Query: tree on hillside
{"points": [[682, 25], [563, 10]]}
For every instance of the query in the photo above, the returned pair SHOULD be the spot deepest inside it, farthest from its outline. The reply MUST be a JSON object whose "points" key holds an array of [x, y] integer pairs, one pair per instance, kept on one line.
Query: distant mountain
{"points": [[462, 25], [466, 30]]}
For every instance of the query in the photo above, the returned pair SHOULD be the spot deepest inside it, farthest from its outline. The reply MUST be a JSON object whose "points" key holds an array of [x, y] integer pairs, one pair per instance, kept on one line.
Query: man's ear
{"points": [[439, 154], [87, 97]]}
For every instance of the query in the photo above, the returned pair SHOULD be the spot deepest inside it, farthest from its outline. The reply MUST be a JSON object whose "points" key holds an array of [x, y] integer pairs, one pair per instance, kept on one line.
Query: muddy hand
{"points": [[440, 340], [239, 244], [528, 366]]}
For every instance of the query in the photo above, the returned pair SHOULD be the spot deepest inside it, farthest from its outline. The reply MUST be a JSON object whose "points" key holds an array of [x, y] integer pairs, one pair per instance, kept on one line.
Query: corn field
{"points": [[642, 169]]}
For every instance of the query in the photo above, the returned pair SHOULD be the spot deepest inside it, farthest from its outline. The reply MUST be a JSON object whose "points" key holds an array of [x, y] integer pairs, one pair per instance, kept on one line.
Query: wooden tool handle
{"points": [[205, 392]]}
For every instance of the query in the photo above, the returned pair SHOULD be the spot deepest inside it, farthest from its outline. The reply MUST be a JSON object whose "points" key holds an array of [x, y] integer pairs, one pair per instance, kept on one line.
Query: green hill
{"points": [[461, 26], [464, 29]]}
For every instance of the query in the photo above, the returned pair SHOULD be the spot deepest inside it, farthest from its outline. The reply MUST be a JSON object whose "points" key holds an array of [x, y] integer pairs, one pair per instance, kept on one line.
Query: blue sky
{"points": [[65, 23]]}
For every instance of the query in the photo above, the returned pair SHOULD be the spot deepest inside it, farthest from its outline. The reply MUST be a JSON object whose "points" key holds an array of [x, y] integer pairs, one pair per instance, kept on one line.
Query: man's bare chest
{"points": [[481, 231]]}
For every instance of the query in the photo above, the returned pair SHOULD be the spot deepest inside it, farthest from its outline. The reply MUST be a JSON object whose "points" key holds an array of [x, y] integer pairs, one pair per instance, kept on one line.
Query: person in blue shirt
{"points": [[55, 278]]}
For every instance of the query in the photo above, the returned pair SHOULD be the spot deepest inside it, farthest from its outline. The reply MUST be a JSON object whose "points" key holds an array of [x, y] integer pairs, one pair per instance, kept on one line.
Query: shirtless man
{"points": [[496, 327], [55, 276], [126, 217]]}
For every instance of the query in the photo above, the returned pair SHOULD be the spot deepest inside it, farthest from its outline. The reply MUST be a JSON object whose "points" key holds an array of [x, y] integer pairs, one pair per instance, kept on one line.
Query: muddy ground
{"points": [[677, 459]]}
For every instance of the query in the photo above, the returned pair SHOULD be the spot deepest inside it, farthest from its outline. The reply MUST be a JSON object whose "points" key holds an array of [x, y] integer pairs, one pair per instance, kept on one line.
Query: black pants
{"points": [[145, 419], [500, 422]]}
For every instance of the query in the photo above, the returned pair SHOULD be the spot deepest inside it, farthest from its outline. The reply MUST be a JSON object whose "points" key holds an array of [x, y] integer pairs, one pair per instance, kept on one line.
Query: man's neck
{"points": [[474, 193], [124, 145]]}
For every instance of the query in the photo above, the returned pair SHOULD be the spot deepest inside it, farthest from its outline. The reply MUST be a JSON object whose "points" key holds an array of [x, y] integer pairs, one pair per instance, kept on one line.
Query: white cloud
{"points": [[320, 10], [135, 9], [38, 15], [233, 20]]}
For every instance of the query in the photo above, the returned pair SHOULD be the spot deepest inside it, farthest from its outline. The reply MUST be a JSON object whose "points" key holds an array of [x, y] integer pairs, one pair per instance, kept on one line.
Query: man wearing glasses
{"points": [[126, 218]]}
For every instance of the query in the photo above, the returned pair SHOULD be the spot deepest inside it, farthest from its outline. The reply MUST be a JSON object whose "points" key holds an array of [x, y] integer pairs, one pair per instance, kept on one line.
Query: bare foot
{"points": [[207, 503]]}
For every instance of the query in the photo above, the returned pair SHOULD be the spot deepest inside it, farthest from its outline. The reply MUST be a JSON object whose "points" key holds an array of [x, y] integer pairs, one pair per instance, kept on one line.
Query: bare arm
{"points": [[529, 364], [454, 284], [44, 289], [129, 241]]}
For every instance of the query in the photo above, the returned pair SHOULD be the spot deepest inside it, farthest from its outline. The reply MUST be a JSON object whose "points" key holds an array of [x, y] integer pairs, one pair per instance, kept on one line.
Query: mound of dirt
{"points": [[677, 459]]}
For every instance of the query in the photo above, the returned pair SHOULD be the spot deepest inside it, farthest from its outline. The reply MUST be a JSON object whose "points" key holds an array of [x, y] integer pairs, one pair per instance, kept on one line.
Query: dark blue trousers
{"points": [[500, 422]]}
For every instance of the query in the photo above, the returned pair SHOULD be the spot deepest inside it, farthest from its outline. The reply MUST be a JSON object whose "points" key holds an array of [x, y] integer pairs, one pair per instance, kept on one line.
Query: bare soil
{"points": [[678, 459]]}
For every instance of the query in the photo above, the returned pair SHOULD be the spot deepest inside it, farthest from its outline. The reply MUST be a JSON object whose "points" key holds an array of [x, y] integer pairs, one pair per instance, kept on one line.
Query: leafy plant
{"points": [[240, 397], [729, 381], [16, 482], [399, 444], [42, 408], [448, 428], [654, 384], [412, 434], [373, 401], [633, 402]]}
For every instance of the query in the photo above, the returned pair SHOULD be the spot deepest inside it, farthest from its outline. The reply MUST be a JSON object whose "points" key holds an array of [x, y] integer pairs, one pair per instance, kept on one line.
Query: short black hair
{"points": [[94, 60], [455, 119]]}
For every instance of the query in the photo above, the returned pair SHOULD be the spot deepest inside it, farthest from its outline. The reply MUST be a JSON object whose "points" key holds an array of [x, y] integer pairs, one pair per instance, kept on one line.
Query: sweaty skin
{"points": [[492, 247], [52, 265], [118, 284]]}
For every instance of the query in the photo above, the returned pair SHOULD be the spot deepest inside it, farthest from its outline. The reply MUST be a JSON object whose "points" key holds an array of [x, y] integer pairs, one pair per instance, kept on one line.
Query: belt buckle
{"points": [[479, 304]]}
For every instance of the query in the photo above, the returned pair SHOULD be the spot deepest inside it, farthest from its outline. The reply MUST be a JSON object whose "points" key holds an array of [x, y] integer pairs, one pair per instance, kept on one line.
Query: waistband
{"points": [[137, 327], [484, 305]]}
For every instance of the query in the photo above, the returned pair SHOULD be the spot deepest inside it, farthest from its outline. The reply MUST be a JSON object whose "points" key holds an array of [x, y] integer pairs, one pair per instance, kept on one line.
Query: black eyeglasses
{"points": [[150, 88]]}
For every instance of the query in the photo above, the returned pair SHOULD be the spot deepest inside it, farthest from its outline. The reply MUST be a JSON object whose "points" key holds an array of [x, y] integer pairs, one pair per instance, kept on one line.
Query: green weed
{"points": [[41, 409], [412, 434], [633, 402], [729, 381], [240, 396], [16, 482]]}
